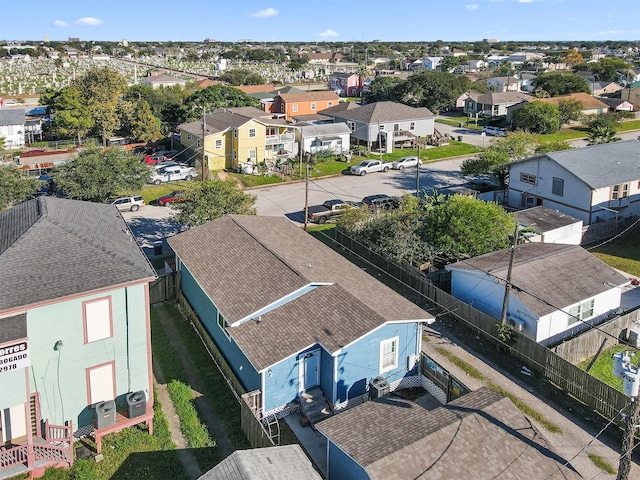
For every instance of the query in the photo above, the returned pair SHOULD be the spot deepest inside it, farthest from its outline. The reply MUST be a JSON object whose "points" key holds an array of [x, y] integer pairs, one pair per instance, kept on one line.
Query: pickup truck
{"points": [[327, 211], [172, 173], [370, 166]]}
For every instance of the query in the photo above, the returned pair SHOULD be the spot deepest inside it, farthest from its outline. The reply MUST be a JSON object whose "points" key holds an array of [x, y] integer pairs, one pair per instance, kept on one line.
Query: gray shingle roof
{"points": [[384, 112], [543, 219], [260, 260], [557, 275], [12, 116], [599, 166], [500, 98], [481, 435], [324, 129], [287, 462], [53, 247]]}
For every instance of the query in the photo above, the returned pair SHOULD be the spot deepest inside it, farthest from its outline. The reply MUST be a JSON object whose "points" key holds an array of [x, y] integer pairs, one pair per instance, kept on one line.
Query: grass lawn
{"points": [[131, 453], [626, 126], [151, 193], [602, 368], [622, 253]]}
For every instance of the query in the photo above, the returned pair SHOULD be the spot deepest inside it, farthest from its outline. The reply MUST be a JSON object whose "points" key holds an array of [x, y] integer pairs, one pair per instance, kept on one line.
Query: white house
{"points": [[431, 63], [503, 84], [334, 137], [12, 127], [593, 184], [557, 290]]}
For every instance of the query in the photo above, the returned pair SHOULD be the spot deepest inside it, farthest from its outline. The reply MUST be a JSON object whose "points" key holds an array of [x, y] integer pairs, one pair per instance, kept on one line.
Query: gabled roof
{"points": [[52, 248], [548, 277], [339, 108], [598, 166], [246, 263], [587, 101], [286, 462], [384, 112], [500, 98], [481, 435], [11, 116], [324, 129], [342, 75], [215, 123], [255, 88], [162, 79]]}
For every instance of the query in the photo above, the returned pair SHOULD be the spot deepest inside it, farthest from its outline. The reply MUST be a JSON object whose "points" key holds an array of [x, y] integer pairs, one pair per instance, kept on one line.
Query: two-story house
{"points": [[305, 103], [345, 84], [12, 127], [75, 339], [494, 104], [385, 123], [235, 136], [593, 184]]}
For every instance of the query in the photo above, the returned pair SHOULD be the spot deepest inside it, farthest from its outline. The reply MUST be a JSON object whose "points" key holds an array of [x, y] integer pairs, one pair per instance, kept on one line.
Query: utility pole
{"points": [[203, 150], [418, 174], [507, 287], [631, 423], [307, 157]]}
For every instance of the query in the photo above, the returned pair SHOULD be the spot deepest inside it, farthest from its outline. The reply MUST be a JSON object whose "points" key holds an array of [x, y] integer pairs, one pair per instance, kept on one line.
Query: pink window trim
{"points": [[84, 317], [88, 379]]}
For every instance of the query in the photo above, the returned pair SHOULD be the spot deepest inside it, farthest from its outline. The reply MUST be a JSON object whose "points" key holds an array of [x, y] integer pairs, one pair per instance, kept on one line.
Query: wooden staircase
{"points": [[314, 406], [416, 141]]}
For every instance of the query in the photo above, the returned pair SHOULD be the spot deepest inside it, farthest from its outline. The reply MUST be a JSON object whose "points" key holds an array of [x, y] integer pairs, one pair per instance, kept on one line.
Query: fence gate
{"points": [[448, 387]]}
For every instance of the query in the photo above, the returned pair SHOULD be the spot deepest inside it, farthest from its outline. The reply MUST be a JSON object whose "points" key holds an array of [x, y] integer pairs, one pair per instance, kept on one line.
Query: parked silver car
{"points": [[406, 162], [130, 203]]}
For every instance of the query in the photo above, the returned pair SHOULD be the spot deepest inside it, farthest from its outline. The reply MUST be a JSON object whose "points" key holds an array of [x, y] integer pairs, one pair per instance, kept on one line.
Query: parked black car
{"points": [[381, 202]]}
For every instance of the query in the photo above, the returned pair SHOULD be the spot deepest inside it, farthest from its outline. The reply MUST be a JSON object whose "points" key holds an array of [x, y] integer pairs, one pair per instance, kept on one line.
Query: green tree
{"points": [[449, 63], [98, 175], [137, 121], [559, 83], [207, 201], [298, 62], [383, 89], [242, 76], [607, 69], [463, 225], [516, 145], [570, 111], [435, 90], [538, 117], [71, 115], [602, 130], [16, 186], [211, 98], [101, 90]]}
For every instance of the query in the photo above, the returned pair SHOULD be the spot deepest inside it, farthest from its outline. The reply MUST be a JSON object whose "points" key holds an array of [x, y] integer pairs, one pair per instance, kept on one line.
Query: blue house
{"points": [[290, 315]]}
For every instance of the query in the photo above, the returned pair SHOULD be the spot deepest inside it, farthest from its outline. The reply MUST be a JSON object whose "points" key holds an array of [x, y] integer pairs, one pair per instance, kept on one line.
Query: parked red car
{"points": [[155, 158], [174, 196]]}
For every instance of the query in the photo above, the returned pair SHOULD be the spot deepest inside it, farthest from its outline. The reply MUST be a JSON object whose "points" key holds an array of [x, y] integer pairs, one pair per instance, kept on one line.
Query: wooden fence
{"points": [[586, 388], [251, 425], [163, 288]]}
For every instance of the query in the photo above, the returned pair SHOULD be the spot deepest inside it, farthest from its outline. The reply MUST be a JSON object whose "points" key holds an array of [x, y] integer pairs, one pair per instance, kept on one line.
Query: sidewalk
{"points": [[575, 441]]}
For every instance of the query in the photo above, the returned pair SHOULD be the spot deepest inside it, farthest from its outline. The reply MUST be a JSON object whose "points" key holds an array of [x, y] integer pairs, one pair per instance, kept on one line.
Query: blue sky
{"points": [[320, 20]]}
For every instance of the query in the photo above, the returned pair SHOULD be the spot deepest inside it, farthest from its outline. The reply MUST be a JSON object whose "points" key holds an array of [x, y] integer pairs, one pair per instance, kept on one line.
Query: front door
{"points": [[309, 374]]}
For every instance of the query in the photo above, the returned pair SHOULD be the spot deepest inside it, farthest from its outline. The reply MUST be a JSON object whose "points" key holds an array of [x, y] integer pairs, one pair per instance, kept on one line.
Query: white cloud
{"points": [[267, 12], [473, 6], [327, 34], [60, 23], [90, 21], [526, 1]]}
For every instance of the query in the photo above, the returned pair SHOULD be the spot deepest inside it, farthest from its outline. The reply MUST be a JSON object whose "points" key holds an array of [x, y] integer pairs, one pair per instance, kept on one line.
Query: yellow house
{"points": [[235, 136]]}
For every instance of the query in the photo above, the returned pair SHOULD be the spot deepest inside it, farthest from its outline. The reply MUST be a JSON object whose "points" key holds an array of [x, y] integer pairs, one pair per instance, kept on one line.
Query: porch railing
{"points": [[57, 433], [283, 138], [13, 456]]}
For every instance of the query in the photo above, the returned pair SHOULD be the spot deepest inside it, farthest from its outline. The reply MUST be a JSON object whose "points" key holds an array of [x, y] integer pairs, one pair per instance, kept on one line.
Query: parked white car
{"points": [[369, 166], [406, 162], [173, 173]]}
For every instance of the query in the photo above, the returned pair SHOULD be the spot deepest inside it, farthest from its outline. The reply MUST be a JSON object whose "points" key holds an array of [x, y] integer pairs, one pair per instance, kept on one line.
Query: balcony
{"points": [[283, 138]]}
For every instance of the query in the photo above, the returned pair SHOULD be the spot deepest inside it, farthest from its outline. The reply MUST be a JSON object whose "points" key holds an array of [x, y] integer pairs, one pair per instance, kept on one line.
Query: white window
{"points": [[329, 104], [252, 154], [188, 136], [235, 133], [252, 133], [352, 126], [313, 105], [101, 383], [412, 126], [294, 107], [198, 143], [98, 321], [218, 144], [224, 326], [582, 311], [388, 354], [282, 108]]}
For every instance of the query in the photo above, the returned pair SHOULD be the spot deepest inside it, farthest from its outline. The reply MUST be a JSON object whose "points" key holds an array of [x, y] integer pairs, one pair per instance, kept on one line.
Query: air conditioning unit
{"points": [[516, 323], [378, 387]]}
